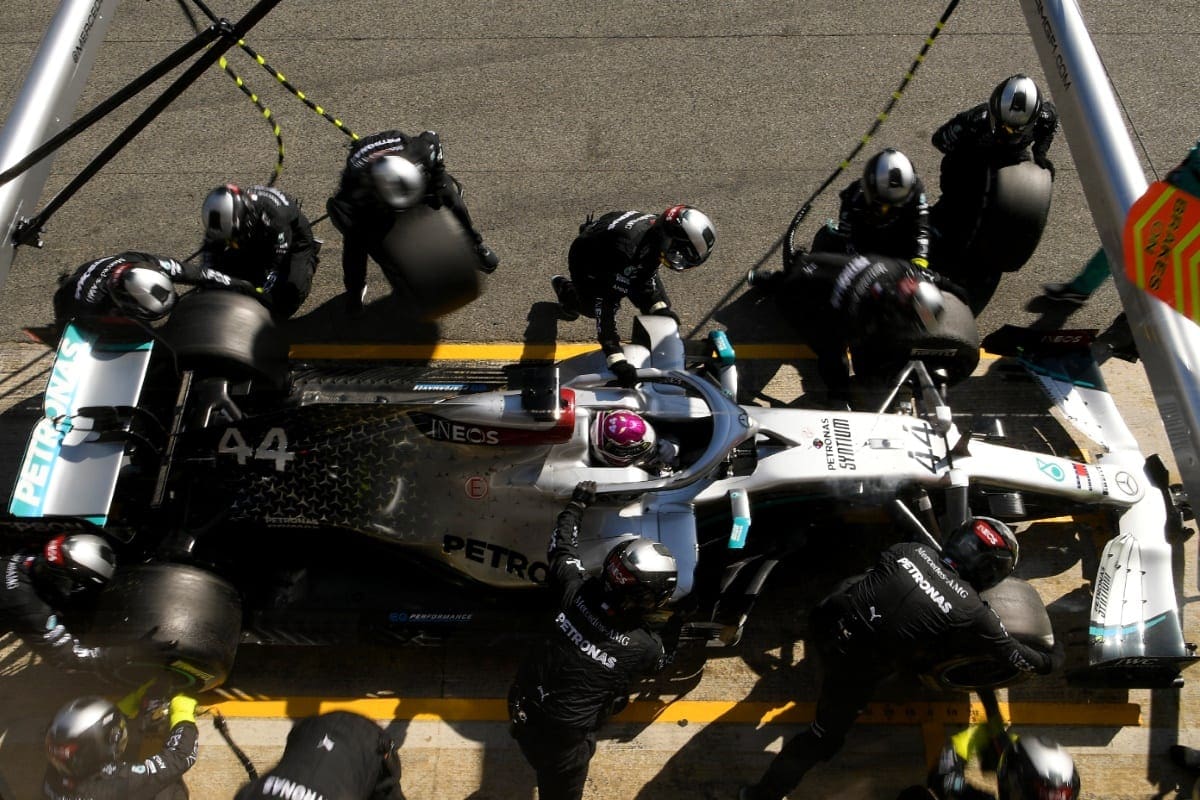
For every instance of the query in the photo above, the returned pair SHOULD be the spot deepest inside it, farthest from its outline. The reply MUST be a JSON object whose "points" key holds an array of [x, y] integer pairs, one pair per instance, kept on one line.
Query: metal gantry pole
{"points": [[1113, 179], [45, 104]]}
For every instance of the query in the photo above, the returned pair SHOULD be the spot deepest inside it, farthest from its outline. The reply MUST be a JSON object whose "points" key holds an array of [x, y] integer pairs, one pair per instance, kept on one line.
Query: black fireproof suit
{"points": [[910, 612], [276, 252], [336, 756], [972, 151], [156, 778], [840, 301], [364, 219], [27, 609], [580, 674], [613, 257], [85, 292], [901, 233]]}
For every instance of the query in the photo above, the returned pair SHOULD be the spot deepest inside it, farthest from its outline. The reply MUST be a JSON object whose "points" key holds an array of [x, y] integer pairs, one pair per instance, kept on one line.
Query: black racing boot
{"points": [[488, 261]]}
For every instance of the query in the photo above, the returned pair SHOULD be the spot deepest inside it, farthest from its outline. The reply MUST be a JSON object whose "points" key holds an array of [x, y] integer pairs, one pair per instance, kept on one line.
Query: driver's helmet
{"points": [[888, 181], [85, 735], [399, 182], [983, 550], [639, 575], [224, 214], [1033, 768], [1014, 106], [76, 563], [141, 292], [920, 301], [621, 438], [688, 236]]}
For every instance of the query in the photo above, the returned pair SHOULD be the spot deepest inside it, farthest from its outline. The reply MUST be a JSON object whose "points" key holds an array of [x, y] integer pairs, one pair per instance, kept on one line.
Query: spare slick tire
{"points": [[174, 622], [951, 348], [430, 261], [1024, 615], [224, 334]]}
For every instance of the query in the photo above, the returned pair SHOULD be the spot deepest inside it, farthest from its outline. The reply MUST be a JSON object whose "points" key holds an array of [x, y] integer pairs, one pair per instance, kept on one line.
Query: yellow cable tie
{"points": [[929, 41], [279, 77], [939, 25], [319, 110], [267, 113], [882, 116], [844, 165], [920, 59], [865, 139], [276, 129], [337, 122], [300, 94], [896, 95], [908, 76], [260, 60], [241, 42], [222, 62], [354, 137]]}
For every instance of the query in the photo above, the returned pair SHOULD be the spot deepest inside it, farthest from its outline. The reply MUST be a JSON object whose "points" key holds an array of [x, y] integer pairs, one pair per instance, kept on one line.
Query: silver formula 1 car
{"points": [[232, 480]]}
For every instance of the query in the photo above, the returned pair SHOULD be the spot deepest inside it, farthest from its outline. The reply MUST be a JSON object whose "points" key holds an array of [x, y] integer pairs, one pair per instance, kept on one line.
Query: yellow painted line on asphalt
{"points": [[690, 711], [515, 351]]}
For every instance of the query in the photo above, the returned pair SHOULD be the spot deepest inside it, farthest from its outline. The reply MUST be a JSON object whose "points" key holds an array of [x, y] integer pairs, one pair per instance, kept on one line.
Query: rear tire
{"points": [[1013, 217], [224, 334], [171, 621]]}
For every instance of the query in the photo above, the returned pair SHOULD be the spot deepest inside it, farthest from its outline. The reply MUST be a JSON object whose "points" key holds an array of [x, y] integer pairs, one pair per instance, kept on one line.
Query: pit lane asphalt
{"points": [[549, 111]]}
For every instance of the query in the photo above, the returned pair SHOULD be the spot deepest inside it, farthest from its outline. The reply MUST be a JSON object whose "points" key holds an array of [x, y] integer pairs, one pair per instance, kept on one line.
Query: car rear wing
{"points": [[75, 452]]}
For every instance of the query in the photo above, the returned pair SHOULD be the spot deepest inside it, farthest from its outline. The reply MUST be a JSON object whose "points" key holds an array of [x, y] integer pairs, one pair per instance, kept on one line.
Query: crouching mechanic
{"points": [[336, 755], [384, 174], [42, 583], [260, 235], [86, 742], [598, 644], [840, 301], [914, 609], [133, 284], [617, 256]]}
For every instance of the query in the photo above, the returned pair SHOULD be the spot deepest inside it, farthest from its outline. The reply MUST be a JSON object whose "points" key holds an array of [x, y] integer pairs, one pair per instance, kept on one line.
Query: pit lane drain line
{"points": [[691, 711]]}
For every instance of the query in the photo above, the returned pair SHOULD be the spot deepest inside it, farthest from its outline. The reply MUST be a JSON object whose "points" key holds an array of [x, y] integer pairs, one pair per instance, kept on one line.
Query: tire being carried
{"points": [[171, 620], [1024, 615], [229, 335], [429, 259]]}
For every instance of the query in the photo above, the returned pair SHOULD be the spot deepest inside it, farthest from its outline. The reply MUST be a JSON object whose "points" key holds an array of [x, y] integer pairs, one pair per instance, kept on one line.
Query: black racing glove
{"points": [[626, 373], [666, 312], [1046, 164], [584, 494]]}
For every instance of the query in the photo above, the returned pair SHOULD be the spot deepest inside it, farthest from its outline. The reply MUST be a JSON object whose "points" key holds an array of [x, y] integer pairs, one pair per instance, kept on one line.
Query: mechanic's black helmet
{"points": [[1033, 768], [224, 214], [86, 734], [1014, 105], [399, 182], [688, 236], [75, 563], [640, 575], [888, 180], [141, 292], [983, 550]]}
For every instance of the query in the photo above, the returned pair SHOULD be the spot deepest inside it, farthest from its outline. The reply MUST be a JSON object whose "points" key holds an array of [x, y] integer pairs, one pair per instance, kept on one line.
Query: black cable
{"points": [[807, 205], [245, 89], [202, 39], [262, 62], [29, 230], [223, 728]]}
